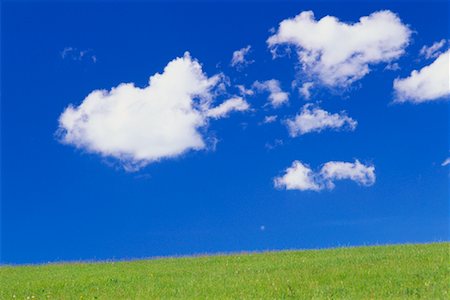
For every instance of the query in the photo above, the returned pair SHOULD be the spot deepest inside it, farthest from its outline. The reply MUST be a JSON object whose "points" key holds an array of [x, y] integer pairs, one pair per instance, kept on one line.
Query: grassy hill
{"points": [[402, 271]]}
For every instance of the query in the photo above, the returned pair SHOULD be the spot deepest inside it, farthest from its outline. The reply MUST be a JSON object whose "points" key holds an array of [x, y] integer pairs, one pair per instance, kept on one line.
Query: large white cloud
{"points": [[301, 177], [430, 83], [315, 119], [336, 53], [142, 125], [277, 96]]}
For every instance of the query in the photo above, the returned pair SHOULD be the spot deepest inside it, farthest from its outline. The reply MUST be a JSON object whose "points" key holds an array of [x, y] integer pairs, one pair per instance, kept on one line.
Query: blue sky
{"points": [[92, 185]]}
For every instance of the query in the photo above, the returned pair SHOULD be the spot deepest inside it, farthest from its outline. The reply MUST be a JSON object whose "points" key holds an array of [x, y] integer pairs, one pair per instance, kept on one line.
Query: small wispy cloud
{"points": [[274, 144], [277, 96], [78, 54], [446, 162], [232, 104], [305, 90], [269, 119], [239, 58], [243, 91], [434, 50], [392, 67]]}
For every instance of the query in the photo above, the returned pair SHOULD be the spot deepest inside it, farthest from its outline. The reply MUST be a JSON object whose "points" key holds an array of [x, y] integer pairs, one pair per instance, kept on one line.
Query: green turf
{"points": [[403, 271]]}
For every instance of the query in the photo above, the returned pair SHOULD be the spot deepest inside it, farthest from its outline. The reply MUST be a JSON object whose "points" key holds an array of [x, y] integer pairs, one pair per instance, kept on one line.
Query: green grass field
{"points": [[398, 272]]}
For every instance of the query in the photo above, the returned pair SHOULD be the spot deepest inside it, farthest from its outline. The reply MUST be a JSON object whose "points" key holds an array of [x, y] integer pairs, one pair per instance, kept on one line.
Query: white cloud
{"points": [[139, 126], [428, 84], [270, 119], [301, 177], [338, 170], [433, 51], [392, 67], [446, 162], [233, 104], [78, 55], [243, 91], [239, 59], [276, 95], [305, 90], [272, 145], [337, 53], [315, 119]]}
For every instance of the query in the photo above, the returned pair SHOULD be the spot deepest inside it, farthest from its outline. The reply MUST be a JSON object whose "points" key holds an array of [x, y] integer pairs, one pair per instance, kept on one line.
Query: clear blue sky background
{"points": [[59, 203]]}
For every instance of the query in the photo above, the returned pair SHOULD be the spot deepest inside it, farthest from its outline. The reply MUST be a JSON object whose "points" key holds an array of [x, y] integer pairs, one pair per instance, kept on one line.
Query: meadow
{"points": [[377, 272]]}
